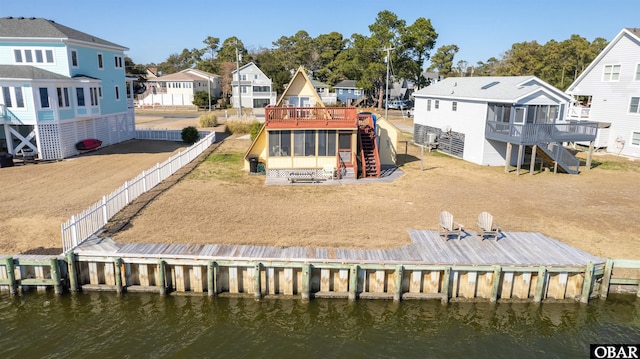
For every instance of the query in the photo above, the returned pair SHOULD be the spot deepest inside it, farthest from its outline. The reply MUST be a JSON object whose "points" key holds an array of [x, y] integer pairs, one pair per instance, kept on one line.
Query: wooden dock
{"points": [[519, 266]]}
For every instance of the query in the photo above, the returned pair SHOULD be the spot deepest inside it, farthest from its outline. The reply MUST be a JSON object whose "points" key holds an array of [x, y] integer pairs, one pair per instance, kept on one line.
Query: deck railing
{"points": [[535, 133], [82, 226], [319, 116], [578, 112]]}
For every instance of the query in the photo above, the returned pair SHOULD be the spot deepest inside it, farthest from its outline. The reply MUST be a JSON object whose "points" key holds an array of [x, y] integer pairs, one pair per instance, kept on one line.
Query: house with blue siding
{"points": [[59, 86], [348, 93]]}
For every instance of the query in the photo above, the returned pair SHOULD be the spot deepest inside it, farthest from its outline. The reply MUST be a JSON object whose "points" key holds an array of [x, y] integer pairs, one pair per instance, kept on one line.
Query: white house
{"points": [[178, 89], [479, 119], [255, 87], [608, 91]]}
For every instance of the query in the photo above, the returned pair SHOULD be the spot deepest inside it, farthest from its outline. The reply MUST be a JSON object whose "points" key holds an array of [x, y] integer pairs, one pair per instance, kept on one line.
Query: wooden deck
{"points": [[512, 248]]}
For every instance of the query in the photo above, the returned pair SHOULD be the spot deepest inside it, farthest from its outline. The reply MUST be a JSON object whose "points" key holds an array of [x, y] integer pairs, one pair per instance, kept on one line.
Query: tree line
{"points": [[331, 57]]}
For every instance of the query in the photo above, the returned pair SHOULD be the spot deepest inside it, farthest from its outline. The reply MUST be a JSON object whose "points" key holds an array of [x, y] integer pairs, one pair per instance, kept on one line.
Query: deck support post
{"points": [[446, 284], [306, 282], [589, 155], [586, 285], [117, 264], [73, 275], [11, 275], [257, 294], [532, 165], [397, 293], [519, 165], [353, 283], [542, 276], [161, 280], [495, 286], [56, 276], [211, 275], [507, 161], [606, 278]]}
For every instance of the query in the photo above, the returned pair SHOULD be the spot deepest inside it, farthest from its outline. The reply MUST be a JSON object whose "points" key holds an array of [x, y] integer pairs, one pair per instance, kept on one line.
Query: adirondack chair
{"points": [[448, 227], [487, 227]]}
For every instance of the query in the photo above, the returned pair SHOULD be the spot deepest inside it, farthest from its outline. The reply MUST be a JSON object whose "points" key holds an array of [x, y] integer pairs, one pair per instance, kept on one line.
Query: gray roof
{"points": [[350, 84], [31, 27], [634, 31], [494, 88], [28, 72], [318, 84]]}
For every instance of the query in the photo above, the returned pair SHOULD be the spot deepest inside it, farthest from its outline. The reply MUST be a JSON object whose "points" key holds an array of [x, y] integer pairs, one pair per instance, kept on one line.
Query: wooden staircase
{"points": [[369, 159]]}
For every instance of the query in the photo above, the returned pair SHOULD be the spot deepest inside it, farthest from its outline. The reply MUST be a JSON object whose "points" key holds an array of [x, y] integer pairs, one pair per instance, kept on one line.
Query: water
{"points": [[150, 326]]}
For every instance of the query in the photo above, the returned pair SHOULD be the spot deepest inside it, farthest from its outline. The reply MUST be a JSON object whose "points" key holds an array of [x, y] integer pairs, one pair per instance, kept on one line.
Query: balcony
{"points": [[578, 112], [534, 133], [311, 117]]}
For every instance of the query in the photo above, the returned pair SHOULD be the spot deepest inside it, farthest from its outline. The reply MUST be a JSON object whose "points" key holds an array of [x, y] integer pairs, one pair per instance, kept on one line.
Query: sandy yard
{"points": [[219, 203]]}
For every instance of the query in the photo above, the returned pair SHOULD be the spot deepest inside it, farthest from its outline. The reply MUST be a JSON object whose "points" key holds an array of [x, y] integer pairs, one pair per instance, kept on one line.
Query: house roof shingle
{"points": [[346, 84], [28, 72], [31, 27]]}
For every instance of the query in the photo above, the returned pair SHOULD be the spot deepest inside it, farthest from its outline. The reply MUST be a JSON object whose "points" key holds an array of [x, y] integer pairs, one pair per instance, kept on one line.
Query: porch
{"points": [[311, 117], [537, 133]]}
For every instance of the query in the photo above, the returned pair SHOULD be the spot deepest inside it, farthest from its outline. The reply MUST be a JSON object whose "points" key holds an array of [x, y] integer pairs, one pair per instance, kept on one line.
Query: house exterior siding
{"points": [[254, 83]]}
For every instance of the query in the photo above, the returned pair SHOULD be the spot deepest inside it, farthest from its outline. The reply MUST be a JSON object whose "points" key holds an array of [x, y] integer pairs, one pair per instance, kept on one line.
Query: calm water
{"points": [[146, 325]]}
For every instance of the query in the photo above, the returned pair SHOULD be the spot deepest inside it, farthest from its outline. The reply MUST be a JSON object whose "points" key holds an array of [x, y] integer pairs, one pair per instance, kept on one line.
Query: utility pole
{"points": [[387, 59], [239, 87], [209, 91]]}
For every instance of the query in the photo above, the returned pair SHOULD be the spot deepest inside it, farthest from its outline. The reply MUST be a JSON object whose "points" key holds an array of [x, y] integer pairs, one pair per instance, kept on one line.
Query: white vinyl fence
{"points": [[82, 226], [164, 134]]}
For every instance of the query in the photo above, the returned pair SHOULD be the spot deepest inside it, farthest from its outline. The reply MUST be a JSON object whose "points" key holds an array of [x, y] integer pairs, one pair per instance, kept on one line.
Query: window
{"points": [[304, 143], [39, 58], [19, 98], [118, 62], [638, 72], [100, 64], [279, 143], [100, 91], [429, 105], [244, 89], [611, 73], [356, 92], [436, 104], [17, 54], [519, 118], [74, 58], [44, 97], [243, 77], [49, 56], [633, 107], [93, 92], [454, 106], [635, 138], [63, 97], [340, 91], [28, 57], [80, 96], [117, 93], [255, 77], [6, 94], [326, 143]]}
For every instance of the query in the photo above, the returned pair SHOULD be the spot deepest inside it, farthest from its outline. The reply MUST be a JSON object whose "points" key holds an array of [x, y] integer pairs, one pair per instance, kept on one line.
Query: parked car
{"points": [[397, 105]]}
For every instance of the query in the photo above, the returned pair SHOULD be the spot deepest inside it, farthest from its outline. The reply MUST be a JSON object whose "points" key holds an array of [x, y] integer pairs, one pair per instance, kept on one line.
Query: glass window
{"points": [[49, 55], [326, 143], [100, 64], [44, 97], [80, 96], [117, 93], [6, 94], [17, 54], [635, 138], [298, 143], [611, 73], [74, 58], [454, 106], [633, 107], [436, 104], [66, 97], [279, 143], [19, 98], [638, 72], [60, 97], [28, 57], [519, 118], [39, 57], [429, 105]]}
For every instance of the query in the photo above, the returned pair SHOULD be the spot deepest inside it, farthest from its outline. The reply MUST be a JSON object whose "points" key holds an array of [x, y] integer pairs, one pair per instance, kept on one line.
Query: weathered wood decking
{"points": [[512, 248]]}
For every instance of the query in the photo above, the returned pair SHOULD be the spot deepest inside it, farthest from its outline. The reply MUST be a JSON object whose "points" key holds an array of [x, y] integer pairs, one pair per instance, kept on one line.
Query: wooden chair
{"points": [[448, 227], [487, 227]]}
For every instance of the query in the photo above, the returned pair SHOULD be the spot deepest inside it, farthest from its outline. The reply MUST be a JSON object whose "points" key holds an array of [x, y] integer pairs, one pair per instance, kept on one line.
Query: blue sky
{"points": [[152, 30]]}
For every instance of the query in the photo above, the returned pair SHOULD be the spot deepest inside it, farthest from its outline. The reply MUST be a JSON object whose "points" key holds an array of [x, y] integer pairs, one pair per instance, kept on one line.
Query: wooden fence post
{"points": [[11, 275], [161, 280], [353, 283], [55, 276], [306, 282], [256, 282], [211, 275], [71, 267], [117, 263], [606, 278], [586, 285], [397, 293]]}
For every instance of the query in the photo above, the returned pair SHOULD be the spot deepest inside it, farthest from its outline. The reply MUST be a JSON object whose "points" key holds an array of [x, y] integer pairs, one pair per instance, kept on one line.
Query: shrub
{"points": [[190, 135], [208, 120], [236, 127], [201, 99], [255, 129]]}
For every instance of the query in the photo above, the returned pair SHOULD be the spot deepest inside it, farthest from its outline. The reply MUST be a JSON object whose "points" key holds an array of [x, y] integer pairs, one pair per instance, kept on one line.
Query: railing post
{"points": [[74, 233]]}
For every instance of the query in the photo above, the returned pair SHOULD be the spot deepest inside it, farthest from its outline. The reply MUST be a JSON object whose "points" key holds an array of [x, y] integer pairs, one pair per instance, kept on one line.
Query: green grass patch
{"points": [[613, 166], [240, 127], [227, 167]]}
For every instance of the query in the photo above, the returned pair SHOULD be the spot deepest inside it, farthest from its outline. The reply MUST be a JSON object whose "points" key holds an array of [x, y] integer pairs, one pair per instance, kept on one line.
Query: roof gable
{"points": [[300, 84], [26, 28]]}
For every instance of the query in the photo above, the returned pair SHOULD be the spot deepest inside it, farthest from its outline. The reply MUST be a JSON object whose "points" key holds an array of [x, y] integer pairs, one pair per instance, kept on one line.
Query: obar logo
{"points": [[627, 351]]}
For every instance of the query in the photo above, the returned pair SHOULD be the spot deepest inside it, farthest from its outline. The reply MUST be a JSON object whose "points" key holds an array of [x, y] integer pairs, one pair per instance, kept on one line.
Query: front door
{"points": [[344, 149]]}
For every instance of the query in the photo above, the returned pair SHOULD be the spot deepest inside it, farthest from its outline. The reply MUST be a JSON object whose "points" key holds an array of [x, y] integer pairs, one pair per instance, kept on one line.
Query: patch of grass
{"points": [[224, 166], [236, 127], [613, 166]]}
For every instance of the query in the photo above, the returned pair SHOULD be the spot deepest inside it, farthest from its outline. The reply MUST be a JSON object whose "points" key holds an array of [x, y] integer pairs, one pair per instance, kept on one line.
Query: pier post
{"points": [[11, 275], [446, 283], [256, 282], [73, 275], [117, 264], [353, 283], [497, 278], [55, 276], [211, 275], [397, 292], [606, 278], [586, 285], [161, 280], [542, 276], [306, 282]]}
